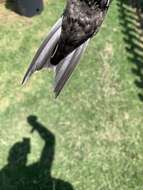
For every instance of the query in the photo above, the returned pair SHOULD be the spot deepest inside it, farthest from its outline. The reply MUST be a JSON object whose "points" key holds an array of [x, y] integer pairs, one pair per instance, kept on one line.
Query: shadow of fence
{"points": [[131, 20]]}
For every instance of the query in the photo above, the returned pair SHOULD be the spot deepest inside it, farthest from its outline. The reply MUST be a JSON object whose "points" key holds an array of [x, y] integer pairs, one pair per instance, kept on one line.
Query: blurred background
{"points": [[91, 137]]}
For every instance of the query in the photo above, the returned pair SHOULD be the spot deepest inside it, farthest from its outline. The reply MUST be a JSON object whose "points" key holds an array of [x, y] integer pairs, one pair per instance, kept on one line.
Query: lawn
{"points": [[91, 137]]}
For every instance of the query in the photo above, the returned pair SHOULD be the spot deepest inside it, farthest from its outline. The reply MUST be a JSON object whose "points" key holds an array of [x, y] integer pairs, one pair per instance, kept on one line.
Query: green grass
{"points": [[93, 131]]}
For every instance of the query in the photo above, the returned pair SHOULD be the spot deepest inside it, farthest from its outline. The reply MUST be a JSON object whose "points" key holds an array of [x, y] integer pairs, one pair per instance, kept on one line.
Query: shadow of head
{"points": [[19, 152]]}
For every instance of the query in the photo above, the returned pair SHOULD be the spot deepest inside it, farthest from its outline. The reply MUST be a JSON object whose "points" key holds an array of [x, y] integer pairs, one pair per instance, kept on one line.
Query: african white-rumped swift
{"points": [[67, 40]]}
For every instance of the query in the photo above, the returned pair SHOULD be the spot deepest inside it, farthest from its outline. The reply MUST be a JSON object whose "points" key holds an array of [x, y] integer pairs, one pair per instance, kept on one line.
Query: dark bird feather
{"points": [[68, 38]]}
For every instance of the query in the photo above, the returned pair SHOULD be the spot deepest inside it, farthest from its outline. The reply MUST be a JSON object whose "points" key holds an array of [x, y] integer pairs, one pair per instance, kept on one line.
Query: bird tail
{"points": [[42, 59]]}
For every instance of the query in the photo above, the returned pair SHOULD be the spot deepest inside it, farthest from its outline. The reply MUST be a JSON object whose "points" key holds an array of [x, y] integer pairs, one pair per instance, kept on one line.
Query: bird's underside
{"points": [[80, 22], [67, 40]]}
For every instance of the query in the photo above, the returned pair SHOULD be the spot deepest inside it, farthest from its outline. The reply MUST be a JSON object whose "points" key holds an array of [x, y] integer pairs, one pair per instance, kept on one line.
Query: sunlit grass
{"points": [[96, 121]]}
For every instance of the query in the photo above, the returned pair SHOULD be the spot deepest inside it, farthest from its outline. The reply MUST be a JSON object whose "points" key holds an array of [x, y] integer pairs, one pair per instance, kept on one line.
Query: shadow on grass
{"points": [[131, 20], [16, 175], [11, 5], [28, 8]]}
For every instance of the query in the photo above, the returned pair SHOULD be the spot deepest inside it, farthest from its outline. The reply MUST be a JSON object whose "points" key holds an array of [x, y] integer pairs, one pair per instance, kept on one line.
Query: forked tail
{"points": [[42, 59]]}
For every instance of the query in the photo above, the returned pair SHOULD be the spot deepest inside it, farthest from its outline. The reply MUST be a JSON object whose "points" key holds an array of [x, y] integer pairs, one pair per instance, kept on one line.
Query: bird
{"points": [[66, 42]]}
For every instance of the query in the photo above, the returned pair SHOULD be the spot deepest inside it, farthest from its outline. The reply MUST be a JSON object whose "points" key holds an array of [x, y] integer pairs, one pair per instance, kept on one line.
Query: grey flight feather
{"points": [[64, 71], [45, 50]]}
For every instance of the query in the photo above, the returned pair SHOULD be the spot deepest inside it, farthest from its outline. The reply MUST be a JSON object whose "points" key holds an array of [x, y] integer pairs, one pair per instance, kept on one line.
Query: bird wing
{"points": [[43, 54], [66, 68]]}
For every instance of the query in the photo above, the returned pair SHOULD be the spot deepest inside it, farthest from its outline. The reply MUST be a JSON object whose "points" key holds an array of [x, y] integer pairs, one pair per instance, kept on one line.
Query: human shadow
{"points": [[25, 7], [17, 175], [131, 21]]}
